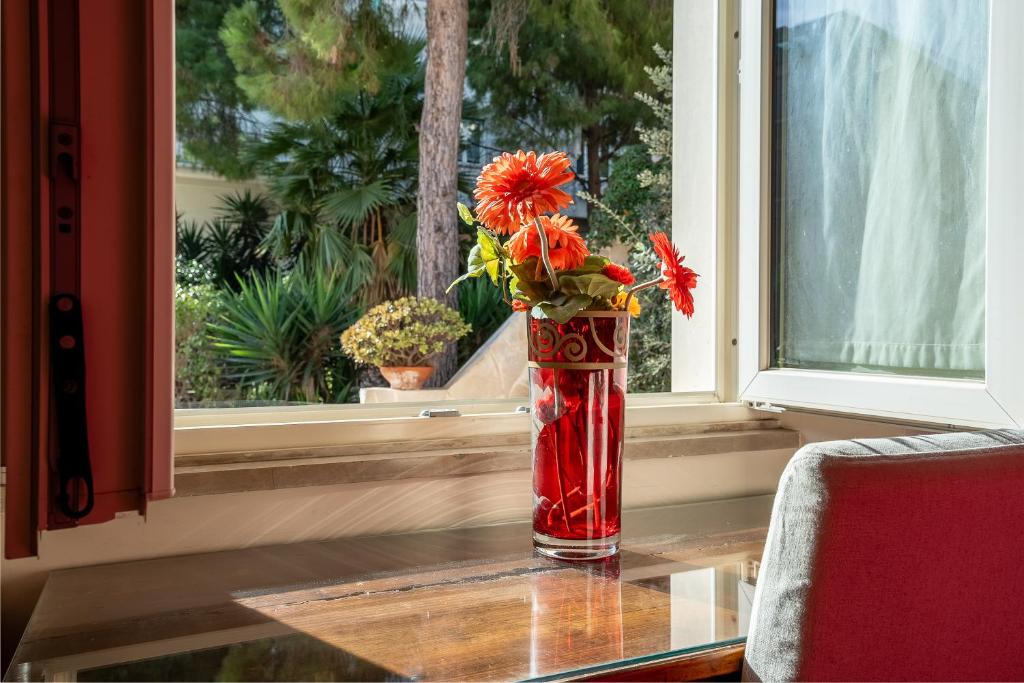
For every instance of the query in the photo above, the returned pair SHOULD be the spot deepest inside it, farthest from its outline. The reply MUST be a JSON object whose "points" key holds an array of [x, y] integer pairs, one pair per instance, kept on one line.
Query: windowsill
{"points": [[481, 452]]}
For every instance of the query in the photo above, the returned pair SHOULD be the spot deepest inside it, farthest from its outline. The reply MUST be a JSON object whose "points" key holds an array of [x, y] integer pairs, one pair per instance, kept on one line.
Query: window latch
{"points": [[764, 406], [440, 412]]}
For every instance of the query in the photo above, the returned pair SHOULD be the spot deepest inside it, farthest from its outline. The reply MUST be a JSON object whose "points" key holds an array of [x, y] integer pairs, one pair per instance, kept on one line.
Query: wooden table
{"points": [[464, 604]]}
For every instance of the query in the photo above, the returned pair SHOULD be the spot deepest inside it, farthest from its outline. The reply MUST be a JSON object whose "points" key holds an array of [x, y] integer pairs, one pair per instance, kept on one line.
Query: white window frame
{"points": [[702, 390], [998, 400]]}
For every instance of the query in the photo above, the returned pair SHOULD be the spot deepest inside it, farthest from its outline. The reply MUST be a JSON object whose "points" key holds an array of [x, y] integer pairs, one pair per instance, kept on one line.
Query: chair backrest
{"points": [[895, 559]]}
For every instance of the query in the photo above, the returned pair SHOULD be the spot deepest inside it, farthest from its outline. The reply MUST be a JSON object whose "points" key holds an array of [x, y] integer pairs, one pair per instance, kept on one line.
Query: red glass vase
{"points": [[578, 393]]}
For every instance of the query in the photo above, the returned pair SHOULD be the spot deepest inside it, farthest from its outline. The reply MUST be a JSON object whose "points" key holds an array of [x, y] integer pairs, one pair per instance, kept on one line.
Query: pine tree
{"points": [[552, 69], [298, 61]]}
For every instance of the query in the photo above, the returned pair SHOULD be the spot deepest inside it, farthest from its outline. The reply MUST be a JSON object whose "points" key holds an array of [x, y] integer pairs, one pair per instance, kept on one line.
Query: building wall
{"points": [[196, 192]]}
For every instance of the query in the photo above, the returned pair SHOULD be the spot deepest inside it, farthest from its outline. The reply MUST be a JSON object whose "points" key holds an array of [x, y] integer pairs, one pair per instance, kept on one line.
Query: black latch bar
{"points": [[71, 485]]}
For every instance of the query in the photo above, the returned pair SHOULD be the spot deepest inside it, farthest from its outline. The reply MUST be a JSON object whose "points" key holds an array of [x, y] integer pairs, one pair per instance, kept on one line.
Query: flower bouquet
{"points": [[579, 308]]}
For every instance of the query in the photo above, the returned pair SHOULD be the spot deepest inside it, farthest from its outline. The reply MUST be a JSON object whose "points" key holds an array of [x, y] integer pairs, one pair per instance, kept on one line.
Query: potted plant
{"points": [[578, 336], [401, 336]]}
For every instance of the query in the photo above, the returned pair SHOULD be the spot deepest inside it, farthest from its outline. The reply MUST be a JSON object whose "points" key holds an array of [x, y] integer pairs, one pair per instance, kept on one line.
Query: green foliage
{"points": [[190, 244], [347, 184], [650, 345], [406, 332], [637, 201], [278, 336], [314, 53], [234, 242], [196, 304], [575, 65], [628, 205], [213, 115], [586, 287], [230, 247], [487, 256], [583, 288], [480, 305]]}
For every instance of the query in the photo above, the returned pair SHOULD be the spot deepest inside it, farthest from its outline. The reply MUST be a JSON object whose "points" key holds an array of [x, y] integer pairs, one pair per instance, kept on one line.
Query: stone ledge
{"points": [[214, 473]]}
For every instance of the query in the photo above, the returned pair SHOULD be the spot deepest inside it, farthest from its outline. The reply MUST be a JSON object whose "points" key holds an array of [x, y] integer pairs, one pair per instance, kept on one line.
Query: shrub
{"points": [[405, 332], [197, 375], [277, 334]]}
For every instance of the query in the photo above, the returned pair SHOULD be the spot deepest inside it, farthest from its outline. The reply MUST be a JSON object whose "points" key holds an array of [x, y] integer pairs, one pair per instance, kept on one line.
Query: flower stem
{"points": [[544, 253], [640, 287]]}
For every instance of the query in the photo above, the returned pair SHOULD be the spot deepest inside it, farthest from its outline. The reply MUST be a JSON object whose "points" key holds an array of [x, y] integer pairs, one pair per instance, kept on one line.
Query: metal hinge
{"points": [[764, 406], [440, 412]]}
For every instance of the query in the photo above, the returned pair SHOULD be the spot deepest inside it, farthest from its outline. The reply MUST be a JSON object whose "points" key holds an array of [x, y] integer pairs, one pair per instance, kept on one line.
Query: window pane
{"points": [[297, 179], [878, 207]]}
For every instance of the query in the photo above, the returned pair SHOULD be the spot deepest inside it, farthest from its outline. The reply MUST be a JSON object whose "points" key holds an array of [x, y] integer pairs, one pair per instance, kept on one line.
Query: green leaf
{"points": [[561, 313], [491, 253], [352, 205], [466, 215], [594, 264], [594, 285], [475, 267], [523, 282]]}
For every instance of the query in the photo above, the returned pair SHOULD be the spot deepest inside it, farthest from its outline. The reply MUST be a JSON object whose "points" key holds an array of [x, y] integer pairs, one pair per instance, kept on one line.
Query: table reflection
{"points": [[570, 617]]}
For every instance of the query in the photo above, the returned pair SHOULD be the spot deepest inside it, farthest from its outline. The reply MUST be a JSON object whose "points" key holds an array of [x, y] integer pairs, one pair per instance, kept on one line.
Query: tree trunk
{"points": [[592, 136], [437, 236]]}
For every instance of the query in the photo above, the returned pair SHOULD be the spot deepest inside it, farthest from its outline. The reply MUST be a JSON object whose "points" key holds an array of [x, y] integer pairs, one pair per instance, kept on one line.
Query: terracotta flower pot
{"points": [[407, 378]]}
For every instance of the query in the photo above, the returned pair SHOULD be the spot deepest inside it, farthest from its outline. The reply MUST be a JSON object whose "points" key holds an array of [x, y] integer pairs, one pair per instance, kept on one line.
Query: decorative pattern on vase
{"points": [[578, 390]]}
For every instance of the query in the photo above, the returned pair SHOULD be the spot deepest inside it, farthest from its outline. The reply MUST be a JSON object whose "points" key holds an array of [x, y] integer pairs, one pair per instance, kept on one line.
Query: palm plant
{"points": [[189, 242], [233, 243], [278, 336], [347, 182]]}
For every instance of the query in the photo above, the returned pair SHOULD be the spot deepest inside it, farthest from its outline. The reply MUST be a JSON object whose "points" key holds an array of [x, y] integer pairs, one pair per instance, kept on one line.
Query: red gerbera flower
{"points": [[678, 279], [618, 273], [516, 188], [566, 249]]}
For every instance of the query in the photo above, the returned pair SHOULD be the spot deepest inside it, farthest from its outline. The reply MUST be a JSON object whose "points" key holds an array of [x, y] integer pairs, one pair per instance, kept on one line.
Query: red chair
{"points": [[895, 559]]}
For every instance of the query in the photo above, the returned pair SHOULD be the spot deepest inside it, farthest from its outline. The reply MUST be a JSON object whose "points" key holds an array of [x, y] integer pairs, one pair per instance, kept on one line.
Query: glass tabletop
{"points": [[464, 604]]}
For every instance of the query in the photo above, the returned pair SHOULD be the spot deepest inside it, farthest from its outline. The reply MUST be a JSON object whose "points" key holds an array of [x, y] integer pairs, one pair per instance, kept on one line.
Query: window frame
{"points": [[700, 359], [996, 401]]}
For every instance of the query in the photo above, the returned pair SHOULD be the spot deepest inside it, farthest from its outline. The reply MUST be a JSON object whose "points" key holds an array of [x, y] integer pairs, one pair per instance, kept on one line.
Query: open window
{"points": [[681, 360], [87, 273], [880, 171]]}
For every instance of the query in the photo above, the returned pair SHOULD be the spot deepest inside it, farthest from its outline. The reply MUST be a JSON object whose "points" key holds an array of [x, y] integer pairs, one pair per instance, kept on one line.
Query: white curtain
{"points": [[880, 186]]}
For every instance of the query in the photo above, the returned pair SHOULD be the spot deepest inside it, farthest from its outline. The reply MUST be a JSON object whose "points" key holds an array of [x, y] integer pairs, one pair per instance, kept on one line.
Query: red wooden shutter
{"points": [[87, 186]]}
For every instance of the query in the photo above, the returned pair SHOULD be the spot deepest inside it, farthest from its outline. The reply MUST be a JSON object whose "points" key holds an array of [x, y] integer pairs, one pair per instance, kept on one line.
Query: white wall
{"points": [[196, 192]]}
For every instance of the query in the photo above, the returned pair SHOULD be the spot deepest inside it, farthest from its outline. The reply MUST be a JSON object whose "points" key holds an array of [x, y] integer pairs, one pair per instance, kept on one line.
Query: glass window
{"points": [[878, 186], [298, 163]]}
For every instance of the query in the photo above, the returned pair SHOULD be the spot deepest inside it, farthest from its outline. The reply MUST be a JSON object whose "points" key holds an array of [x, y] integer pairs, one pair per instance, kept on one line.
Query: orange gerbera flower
{"points": [[618, 273], [566, 249], [678, 279], [520, 306], [516, 188]]}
